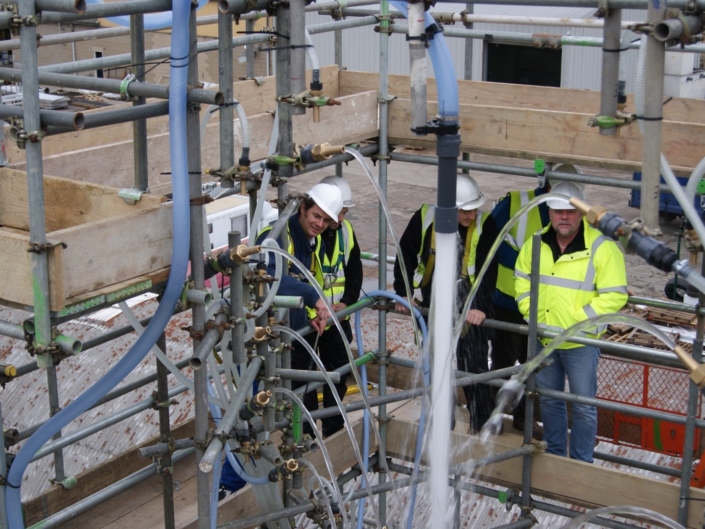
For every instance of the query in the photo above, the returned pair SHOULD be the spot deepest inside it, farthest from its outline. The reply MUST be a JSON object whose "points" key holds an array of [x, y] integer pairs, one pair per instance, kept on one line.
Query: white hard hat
{"points": [[568, 189], [341, 184], [468, 196], [328, 198]]}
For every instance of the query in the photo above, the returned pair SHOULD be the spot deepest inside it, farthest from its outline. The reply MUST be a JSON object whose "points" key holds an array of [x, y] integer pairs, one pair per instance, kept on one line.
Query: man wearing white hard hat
{"points": [[342, 280], [417, 246], [581, 275], [319, 207]]}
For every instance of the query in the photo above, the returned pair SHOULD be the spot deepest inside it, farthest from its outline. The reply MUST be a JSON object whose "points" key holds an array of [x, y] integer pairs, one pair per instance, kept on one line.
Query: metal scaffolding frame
{"points": [[290, 64]]}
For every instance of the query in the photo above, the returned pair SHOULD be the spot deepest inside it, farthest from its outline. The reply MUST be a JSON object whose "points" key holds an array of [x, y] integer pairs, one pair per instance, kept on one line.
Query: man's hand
{"points": [[475, 317], [400, 307], [318, 324], [337, 307], [321, 310]]}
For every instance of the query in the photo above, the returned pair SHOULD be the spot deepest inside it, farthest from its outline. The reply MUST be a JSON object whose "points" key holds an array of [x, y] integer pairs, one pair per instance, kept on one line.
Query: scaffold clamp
{"points": [[124, 86]]}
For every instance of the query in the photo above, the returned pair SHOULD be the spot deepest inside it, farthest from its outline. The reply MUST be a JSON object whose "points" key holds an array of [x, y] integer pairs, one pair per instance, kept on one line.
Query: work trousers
{"points": [[331, 350], [508, 348], [579, 365]]}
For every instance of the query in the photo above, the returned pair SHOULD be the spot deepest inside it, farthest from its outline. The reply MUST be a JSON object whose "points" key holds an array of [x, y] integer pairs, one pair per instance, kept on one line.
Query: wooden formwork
{"points": [[101, 244]]}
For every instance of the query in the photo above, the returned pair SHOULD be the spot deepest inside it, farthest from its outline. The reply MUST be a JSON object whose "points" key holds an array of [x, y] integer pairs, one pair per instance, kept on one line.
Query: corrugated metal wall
{"points": [[581, 66]]}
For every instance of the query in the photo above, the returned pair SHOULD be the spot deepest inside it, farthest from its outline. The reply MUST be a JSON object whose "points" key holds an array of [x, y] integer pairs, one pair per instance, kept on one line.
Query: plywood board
{"points": [[560, 478], [522, 96], [16, 270], [543, 133], [67, 203], [113, 250]]}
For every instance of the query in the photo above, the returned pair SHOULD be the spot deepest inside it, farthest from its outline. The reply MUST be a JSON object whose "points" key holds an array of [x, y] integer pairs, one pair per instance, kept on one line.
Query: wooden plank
{"points": [[522, 96], [57, 498], [542, 133], [110, 251], [16, 269], [336, 126], [67, 202], [555, 477], [254, 99]]}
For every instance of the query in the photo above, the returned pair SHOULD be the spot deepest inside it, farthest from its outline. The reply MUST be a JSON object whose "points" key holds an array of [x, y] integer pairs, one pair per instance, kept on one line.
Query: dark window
{"points": [[523, 65]]}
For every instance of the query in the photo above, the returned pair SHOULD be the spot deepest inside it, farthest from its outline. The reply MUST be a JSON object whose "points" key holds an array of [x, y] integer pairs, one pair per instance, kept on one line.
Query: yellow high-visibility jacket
{"points": [[577, 286]]}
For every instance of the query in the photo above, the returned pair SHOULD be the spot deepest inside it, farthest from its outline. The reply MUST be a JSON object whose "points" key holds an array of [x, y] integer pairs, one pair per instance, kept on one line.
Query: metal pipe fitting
{"points": [[284, 470], [68, 345], [164, 448], [230, 416], [685, 26], [200, 297], [59, 6], [238, 7], [261, 334], [209, 340], [288, 302], [308, 376], [66, 120], [255, 405], [12, 330], [291, 208], [271, 454]]}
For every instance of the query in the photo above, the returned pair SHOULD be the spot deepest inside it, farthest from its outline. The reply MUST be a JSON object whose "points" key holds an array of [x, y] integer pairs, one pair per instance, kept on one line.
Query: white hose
{"points": [[244, 126], [267, 174], [671, 180], [156, 351], [274, 286], [313, 58]]}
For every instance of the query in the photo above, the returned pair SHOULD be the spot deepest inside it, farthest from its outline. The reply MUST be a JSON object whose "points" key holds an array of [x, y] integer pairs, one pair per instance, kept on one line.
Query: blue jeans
{"points": [[580, 366]]}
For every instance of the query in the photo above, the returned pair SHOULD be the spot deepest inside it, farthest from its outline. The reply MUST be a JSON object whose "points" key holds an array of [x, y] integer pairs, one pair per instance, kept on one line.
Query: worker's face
{"points": [[566, 222], [313, 221], [465, 218], [341, 216]]}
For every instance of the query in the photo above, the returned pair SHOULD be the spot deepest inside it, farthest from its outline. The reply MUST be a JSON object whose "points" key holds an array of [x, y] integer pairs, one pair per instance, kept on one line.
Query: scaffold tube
{"points": [[179, 260]]}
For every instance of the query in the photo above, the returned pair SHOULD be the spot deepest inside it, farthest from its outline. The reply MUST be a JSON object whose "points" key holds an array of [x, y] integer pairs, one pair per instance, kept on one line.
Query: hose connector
{"points": [[284, 470], [255, 405], [319, 153], [240, 253]]}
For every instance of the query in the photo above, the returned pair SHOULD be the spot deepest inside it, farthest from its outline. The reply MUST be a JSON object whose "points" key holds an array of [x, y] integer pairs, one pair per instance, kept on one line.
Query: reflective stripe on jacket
{"points": [[334, 268], [427, 213], [577, 286]]}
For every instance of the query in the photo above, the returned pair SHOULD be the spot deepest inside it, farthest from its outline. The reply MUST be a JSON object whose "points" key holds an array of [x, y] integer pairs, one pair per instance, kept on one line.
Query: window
{"points": [[98, 54], [506, 63], [239, 224]]}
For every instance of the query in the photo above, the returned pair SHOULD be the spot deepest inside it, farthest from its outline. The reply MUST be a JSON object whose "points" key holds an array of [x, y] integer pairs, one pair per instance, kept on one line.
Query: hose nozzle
{"points": [[240, 253]]}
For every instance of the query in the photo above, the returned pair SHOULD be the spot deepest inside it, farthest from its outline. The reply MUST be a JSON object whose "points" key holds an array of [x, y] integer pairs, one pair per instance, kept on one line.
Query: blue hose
{"points": [[151, 21], [422, 419], [179, 260], [443, 67]]}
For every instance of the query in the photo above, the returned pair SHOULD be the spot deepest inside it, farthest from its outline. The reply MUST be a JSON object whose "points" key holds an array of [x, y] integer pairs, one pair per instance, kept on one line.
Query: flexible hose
{"points": [[244, 126], [266, 176], [151, 21], [179, 262], [443, 67], [273, 287], [668, 176], [313, 58], [426, 381]]}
